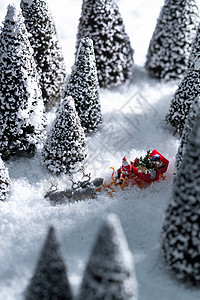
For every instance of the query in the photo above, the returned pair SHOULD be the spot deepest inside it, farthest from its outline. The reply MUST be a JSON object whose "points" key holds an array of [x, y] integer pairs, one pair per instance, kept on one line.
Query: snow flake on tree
{"points": [[47, 50], [181, 230], [195, 51], [170, 46], [189, 124], [4, 181], [50, 279], [83, 86], [21, 105], [101, 21], [188, 90], [65, 147], [109, 273]]}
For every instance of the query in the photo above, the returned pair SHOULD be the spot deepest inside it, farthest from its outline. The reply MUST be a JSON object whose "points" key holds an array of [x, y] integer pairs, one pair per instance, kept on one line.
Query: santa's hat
{"points": [[125, 161]]}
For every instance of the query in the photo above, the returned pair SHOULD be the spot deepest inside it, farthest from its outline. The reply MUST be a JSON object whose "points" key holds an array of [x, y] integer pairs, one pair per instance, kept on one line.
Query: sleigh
{"points": [[159, 172], [136, 177]]}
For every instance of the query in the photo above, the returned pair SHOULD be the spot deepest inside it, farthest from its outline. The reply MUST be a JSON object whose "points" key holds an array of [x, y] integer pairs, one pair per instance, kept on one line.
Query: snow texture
{"points": [[4, 181], [181, 230], [47, 50], [50, 279], [195, 49], [170, 45], [22, 110], [109, 273], [102, 22], [83, 86], [187, 91], [189, 124], [65, 147], [133, 122]]}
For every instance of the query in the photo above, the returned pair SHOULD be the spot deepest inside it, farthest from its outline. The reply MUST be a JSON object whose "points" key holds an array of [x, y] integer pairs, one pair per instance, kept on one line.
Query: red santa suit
{"points": [[126, 169]]}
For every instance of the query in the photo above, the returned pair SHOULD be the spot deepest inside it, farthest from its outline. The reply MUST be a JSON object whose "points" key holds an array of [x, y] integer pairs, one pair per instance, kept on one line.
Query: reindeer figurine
{"points": [[80, 190]]}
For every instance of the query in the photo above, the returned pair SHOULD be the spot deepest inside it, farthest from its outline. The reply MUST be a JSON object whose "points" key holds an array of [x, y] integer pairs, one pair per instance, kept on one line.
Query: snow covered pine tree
{"points": [[189, 124], [101, 21], [195, 49], [181, 229], [83, 86], [65, 147], [109, 273], [50, 279], [4, 181], [47, 51], [188, 90], [21, 104], [170, 45]]}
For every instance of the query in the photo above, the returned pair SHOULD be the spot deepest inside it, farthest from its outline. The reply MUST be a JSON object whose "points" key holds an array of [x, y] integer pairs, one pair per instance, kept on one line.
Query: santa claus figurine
{"points": [[126, 169]]}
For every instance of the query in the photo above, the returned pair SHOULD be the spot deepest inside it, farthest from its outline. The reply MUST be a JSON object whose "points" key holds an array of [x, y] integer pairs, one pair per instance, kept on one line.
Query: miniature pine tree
{"points": [[4, 181], [21, 114], [146, 161], [109, 273], [195, 48], [47, 50], [83, 86], [170, 45], [101, 21], [180, 235], [189, 124], [188, 90], [65, 147], [50, 279]]}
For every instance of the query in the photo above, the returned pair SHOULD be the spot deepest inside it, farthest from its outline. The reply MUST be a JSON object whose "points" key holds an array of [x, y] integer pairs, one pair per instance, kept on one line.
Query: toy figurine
{"points": [[126, 169]]}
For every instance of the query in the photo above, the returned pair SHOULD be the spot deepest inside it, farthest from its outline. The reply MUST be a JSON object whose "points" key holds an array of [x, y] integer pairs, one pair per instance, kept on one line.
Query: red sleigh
{"points": [[159, 173], [136, 177]]}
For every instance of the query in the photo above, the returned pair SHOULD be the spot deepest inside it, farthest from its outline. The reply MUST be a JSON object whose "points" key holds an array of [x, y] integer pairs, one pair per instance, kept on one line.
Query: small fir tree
{"points": [[47, 50], [4, 181], [181, 230], [170, 45], [65, 147], [83, 86], [50, 279], [195, 49], [188, 90], [101, 21], [21, 113], [109, 273], [189, 124]]}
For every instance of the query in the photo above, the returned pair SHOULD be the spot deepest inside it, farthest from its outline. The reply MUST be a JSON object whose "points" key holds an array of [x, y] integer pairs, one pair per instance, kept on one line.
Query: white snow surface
{"points": [[133, 123]]}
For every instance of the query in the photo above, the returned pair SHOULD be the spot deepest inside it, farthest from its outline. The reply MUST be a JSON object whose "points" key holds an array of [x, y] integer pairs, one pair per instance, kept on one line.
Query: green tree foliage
{"points": [[101, 21], [65, 147], [170, 45], [50, 281], [47, 50], [109, 273], [181, 229], [21, 103]]}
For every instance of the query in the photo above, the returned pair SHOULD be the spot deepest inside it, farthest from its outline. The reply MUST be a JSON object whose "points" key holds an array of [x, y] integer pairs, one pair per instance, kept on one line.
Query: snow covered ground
{"points": [[133, 123]]}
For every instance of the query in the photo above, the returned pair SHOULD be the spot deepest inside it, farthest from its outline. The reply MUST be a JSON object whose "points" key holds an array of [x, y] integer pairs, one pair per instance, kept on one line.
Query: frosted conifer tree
{"points": [[189, 124], [195, 48], [181, 230], [101, 21], [47, 50], [4, 181], [50, 279], [21, 103], [83, 86], [188, 90], [170, 45], [65, 147], [109, 273]]}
